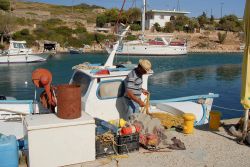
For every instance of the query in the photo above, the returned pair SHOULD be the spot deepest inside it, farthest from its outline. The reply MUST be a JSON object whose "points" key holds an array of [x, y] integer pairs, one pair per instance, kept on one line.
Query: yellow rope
{"points": [[145, 109], [167, 120], [107, 139]]}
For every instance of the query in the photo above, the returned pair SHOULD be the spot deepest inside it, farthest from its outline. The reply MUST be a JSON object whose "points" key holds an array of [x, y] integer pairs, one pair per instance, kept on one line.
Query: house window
{"points": [[111, 89], [152, 17], [83, 80], [161, 16]]}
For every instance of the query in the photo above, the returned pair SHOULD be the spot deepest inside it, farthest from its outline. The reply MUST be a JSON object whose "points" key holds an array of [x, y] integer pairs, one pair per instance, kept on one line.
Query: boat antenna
{"points": [[119, 16], [143, 18], [178, 5]]}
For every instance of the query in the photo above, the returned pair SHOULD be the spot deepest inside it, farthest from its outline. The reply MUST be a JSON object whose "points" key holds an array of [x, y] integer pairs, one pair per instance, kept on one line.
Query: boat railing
{"points": [[187, 98]]}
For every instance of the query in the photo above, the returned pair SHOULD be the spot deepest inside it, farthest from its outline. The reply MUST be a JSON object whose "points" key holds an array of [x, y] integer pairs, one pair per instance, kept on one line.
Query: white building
{"points": [[161, 17]]}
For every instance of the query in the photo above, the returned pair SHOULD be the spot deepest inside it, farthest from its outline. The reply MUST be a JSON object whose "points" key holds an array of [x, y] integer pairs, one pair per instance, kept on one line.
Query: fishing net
{"points": [[168, 120]]}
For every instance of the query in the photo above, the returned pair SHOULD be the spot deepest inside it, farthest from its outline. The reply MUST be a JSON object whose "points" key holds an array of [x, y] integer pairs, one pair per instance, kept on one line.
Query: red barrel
{"points": [[68, 101]]}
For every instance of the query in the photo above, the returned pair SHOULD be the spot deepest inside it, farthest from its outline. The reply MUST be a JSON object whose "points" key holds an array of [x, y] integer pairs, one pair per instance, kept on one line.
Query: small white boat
{"points": [[76, 51], [160, 46], [7, 59], [19, 53]]}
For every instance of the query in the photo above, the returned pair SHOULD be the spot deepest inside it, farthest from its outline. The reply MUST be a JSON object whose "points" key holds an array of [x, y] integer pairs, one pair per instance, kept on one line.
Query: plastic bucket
{"points": [[188, 127], [214, 121], [68, 101]]}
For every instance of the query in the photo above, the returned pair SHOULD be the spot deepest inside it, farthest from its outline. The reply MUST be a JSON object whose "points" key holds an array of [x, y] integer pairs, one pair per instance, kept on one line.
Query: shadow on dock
{"points": [[223, 130]]}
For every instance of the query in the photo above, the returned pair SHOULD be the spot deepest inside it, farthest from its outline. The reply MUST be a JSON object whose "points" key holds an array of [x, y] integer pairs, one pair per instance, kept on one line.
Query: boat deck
{"points": [[203, 148]]}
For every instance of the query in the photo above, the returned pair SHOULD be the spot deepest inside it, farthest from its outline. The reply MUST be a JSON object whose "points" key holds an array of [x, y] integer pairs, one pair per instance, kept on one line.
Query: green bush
{"points": [[157, 27], [222, 37], [86, 38], [63, 30], [230, 23], [24, 35], [41, 33], [51, 23], [99, 37], [101, 20], [75, 42], [5, 4], [25, 32], [25, 22], [169, 27], [202, 19], [131, 37], [1, 47], [135, 27], [80, 30], [57, 37]]}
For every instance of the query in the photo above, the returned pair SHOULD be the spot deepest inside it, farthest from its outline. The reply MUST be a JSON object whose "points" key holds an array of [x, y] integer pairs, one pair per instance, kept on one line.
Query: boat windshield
{"points": [[19, 45], [83, 80]]}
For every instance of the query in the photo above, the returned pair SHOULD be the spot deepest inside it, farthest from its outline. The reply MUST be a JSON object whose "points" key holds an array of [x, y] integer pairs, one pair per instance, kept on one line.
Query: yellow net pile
{"points": [[168, 120]]}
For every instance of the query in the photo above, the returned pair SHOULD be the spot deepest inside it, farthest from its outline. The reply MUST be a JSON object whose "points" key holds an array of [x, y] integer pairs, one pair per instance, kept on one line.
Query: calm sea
{"points": [[173, 76]]}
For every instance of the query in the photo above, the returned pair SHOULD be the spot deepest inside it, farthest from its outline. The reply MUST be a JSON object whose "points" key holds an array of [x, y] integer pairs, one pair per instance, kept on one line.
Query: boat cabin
{"points": [[18, 48], [103, 90]]}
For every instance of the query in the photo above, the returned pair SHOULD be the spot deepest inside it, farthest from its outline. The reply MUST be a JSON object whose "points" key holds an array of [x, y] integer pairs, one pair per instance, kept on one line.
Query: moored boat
{"points": [[160, 46], [19, 53], [76, 51]]}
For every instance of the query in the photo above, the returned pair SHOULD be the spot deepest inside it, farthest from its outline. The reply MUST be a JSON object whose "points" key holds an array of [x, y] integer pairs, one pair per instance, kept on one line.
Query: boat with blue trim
{"points": [[102, 89]]}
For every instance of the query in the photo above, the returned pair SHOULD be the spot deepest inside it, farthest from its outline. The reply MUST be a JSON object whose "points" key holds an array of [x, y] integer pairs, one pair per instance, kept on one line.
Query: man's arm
{"points": [[134, 98]]}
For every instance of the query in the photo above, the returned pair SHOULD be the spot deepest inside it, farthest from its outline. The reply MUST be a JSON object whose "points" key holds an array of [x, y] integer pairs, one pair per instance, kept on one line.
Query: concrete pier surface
{"points": [[204, 148]]}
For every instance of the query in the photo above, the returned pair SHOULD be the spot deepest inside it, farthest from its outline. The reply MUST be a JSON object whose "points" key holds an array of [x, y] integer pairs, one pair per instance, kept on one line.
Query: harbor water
{"points": [[174, 76]]}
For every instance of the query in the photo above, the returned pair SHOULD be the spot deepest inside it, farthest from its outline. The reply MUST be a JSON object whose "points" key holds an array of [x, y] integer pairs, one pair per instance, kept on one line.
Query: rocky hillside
{"points": [[83, 13], [37, 13]]}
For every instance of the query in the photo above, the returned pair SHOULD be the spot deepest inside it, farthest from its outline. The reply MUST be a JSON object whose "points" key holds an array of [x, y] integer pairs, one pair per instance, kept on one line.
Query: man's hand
{"points": [[145, 92], [141, 103]]}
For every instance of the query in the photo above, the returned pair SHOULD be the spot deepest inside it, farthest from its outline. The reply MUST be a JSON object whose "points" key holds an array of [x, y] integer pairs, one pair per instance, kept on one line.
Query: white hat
{"points": [[145, 64]]}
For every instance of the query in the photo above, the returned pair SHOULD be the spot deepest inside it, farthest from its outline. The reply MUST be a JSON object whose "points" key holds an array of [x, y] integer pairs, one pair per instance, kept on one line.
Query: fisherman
{"points": [[133, 87]]}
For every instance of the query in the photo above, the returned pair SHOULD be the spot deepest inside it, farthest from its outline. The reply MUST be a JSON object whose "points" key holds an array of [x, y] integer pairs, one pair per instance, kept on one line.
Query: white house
{"points": [[161, 17]]}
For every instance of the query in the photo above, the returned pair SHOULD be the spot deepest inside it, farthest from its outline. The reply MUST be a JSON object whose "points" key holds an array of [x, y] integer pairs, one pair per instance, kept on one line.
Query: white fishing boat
{"points": [[160, 46], [19, 53], [102, 95], [102, 90]]}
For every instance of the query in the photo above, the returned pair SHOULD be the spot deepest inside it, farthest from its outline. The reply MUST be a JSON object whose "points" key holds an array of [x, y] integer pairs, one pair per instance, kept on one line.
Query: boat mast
{"points": [[110, 60], [143, 18]]}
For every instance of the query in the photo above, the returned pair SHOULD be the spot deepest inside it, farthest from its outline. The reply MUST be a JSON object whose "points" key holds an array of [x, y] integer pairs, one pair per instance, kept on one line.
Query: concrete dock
{"points": [[204, 148]]}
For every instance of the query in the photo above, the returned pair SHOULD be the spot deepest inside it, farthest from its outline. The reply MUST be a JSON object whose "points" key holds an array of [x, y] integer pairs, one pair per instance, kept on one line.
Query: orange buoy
{"points": [[130, 129]]}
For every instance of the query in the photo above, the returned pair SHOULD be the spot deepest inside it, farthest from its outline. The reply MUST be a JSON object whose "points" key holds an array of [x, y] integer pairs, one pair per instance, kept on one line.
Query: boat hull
{"points": [[199, 105], [151, 50], [7, 59]]}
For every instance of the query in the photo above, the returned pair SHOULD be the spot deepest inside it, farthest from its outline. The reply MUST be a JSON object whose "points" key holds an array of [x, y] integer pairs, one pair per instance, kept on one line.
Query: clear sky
{"points": [[196, 7]]}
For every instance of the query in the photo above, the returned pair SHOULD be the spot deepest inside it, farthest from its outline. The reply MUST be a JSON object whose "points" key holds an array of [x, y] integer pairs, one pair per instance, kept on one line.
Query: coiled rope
{"points": [[108, 138]]}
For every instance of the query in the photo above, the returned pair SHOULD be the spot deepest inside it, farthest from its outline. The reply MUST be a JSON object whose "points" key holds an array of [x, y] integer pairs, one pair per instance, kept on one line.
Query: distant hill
{"points": [[83, 12]]}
